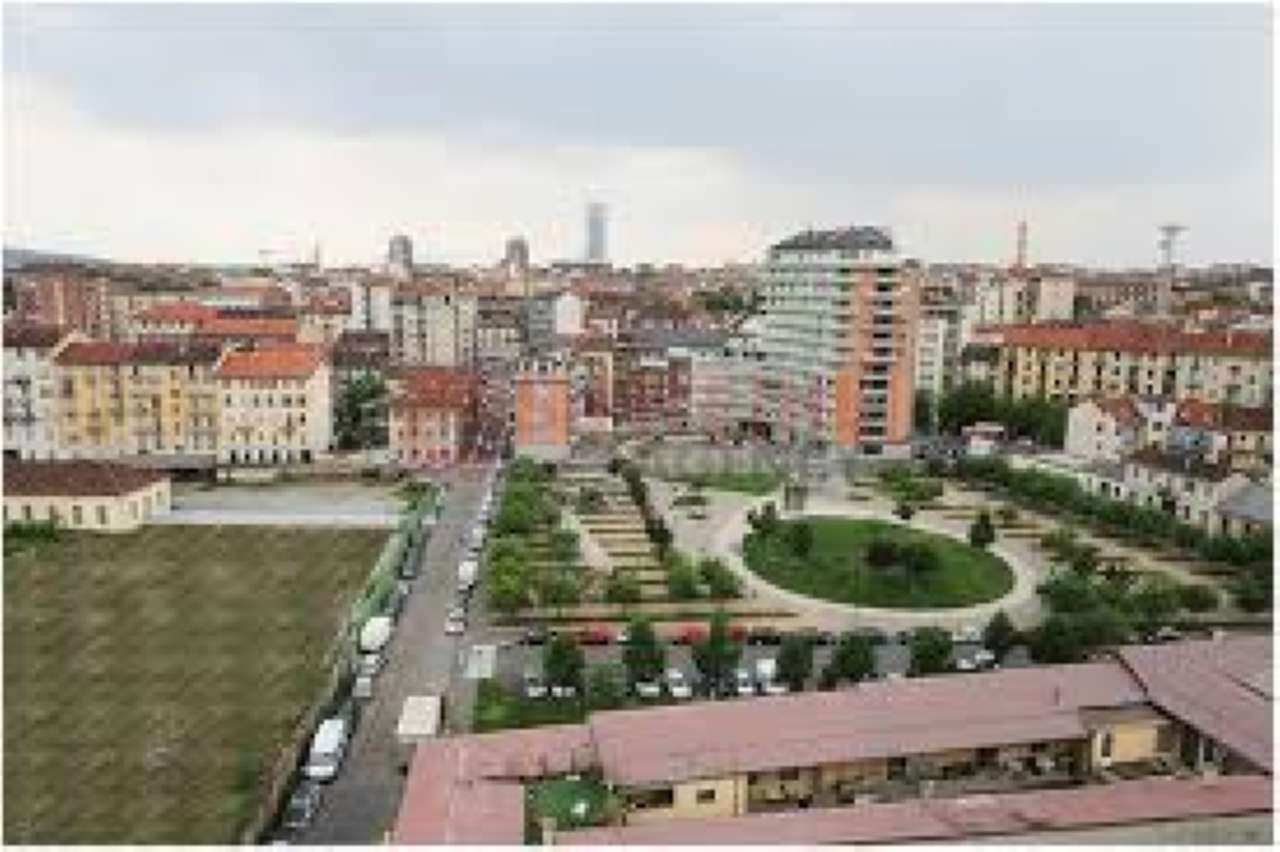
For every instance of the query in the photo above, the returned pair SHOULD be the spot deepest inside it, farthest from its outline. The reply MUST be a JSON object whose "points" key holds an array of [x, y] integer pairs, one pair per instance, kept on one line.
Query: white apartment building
{"points": [[276, 406], [370, 303], [840, 311], [433, 325], [30, 392]]}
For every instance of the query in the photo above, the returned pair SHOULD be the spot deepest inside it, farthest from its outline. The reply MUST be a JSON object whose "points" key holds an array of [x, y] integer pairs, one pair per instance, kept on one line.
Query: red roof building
{"points": [[434, 414]]}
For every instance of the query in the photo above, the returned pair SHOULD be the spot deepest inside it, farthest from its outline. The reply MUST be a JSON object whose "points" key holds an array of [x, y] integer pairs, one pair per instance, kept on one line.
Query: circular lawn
{"points": [[838, 568]]}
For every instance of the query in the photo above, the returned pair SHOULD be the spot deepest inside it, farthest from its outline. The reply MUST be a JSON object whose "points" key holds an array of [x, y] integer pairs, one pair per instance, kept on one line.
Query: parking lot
{"points": [[350, 504], [892, 658]]}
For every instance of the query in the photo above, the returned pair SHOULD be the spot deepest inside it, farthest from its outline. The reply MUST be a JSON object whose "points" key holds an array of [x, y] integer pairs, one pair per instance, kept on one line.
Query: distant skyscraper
{"points": [[516, 259], [597, 236], [400, 256]]}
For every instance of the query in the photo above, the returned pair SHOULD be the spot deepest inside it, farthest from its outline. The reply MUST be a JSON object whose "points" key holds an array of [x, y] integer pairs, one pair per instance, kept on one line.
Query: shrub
{"points": [[904, 510], [999, 635], [800, 538], [981, 533], [1198, 598], [721, 582], [882, 553], [622, 589], [682, 580], [930, 651]]}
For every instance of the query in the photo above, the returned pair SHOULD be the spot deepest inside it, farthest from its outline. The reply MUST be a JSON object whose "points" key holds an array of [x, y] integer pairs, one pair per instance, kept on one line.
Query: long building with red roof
{"points": [[1073, 361]]}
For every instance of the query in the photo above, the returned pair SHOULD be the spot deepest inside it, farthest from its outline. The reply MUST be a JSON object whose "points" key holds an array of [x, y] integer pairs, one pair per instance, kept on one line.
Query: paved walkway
{"points": [[722, 532]]}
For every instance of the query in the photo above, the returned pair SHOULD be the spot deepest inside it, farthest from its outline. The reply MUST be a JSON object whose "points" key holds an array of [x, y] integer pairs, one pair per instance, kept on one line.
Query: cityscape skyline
{"points": [[473, 123]]}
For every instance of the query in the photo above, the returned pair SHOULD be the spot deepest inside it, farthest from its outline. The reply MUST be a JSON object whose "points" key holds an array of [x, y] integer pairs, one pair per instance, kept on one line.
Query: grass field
{"points": [[836, 570], [152, 679]]}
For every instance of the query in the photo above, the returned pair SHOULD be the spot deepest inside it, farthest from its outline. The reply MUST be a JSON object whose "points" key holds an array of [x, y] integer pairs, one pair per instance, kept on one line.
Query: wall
{"points": [[124, 513], [730, 800], [1133, 742]]}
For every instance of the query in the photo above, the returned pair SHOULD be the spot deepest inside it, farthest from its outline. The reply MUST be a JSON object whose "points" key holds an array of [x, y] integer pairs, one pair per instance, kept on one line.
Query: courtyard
{"points": [[153, 679]]}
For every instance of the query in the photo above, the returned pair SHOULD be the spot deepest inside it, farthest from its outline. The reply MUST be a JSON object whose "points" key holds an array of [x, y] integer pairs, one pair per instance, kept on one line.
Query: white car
{"points": [[454, 627], [534, 686], [457, 613], [965, 664], [742, 680], [984, 658], [648, 689], [677, 685], [563, 692]]}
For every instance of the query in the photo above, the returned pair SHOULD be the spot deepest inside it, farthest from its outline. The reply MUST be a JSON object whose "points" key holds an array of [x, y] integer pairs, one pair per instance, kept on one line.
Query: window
{"points": [[1166, 739], [102, 516], [77, 515], [789, 775], [26, 513], [707, 796], [663, 797], [1107, 742]]}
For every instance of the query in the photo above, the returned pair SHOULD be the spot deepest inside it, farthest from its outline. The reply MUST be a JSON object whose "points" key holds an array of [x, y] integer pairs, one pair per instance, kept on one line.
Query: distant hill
{"points": [[17, 258]]}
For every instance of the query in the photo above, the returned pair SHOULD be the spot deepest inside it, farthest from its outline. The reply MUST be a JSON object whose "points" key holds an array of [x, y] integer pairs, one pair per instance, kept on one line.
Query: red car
{"points": [[596, 634], [689, 634]]}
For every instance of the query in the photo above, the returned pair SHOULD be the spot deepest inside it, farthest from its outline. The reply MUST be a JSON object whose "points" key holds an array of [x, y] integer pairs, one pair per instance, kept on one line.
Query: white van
{"points": [[374, 637], [328, 747]]}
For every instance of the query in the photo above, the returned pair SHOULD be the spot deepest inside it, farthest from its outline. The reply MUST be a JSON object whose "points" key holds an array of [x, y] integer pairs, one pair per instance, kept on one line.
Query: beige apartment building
{"points": [[30, 413], [124, 399], [1073, 361], [83, 495], [276, 406], [433, 324]]}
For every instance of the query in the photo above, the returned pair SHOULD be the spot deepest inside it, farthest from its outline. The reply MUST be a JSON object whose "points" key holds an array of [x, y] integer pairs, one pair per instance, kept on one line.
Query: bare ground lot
{"points": [[355, 504], [150, 679]]}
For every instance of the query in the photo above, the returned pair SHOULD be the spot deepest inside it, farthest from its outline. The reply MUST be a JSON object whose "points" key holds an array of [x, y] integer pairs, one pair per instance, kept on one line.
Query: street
{"points": [[360, 805]]}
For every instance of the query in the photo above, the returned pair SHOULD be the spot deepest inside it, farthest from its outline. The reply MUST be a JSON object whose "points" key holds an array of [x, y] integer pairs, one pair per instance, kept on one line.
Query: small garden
{"points": [[874, 563], [570, 802], [754, 482], [1247, 557]]}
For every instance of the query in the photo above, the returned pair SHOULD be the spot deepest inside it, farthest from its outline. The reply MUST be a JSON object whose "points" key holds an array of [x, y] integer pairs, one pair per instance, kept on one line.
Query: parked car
{"points": [[454, 627], [395, 603], [458, 612], [648, 689], [301, 807], [596, 634], [677, 685], [767, 677], [764, 636], [984, 658], [742, 683], [563, 691], [328, 748], [534, 685]]}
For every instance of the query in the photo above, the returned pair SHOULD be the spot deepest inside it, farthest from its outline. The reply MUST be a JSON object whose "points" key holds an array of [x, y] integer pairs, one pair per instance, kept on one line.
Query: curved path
{"points": [[722, 535]]}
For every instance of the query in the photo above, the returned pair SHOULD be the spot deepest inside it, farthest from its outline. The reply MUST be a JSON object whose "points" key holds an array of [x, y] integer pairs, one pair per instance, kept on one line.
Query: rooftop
{"points": [[293, 361], [32, 335], [74, 479], [922, 820], [1137, 337], [1252, 503], [1184, 463], [189, 312], [233, 326], [107, 353], [853, 238], [434, 387], [1236, 418]]}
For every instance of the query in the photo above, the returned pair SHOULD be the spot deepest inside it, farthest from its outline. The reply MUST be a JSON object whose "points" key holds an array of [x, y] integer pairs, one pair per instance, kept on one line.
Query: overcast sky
{"points": [[208, 133]]}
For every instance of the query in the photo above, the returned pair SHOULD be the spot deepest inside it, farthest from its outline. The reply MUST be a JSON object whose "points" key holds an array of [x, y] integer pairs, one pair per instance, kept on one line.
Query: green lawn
{"points": [[836, 570], [745, 482], [152, 679], [498, 709], [556, 798]]}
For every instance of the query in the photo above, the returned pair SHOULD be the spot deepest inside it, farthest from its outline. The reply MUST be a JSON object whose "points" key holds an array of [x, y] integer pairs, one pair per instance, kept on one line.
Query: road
{"points": [[360, 806]]}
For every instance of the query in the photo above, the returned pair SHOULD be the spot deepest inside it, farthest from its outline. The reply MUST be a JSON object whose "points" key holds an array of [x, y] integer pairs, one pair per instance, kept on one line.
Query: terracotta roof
{"points": [[330, 302], [189, 312], [229, 326], [295, 361], [74, 479], [32, 335], [1235, 418], [1135, 337], [94, 353], [1121, 408], [921, 820], [434, 387], [1223, 687], [870, 720], [449, 796]]}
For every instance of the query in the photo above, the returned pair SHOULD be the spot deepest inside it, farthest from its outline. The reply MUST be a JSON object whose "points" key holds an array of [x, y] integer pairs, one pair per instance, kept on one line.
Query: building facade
{"points": [[276, 405], [30, 389], [542, 424], [434, 415], [84, 495], [433, 325]]}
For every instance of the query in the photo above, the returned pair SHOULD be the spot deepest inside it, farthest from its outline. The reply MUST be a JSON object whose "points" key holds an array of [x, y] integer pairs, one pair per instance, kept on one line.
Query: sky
{"points": [[192, 133]]}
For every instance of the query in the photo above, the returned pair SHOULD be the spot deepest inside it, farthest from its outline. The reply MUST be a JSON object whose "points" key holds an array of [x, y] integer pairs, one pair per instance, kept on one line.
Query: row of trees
{"points": [[655, 526], [1043, 421], [708, 577], [1063, 496]]}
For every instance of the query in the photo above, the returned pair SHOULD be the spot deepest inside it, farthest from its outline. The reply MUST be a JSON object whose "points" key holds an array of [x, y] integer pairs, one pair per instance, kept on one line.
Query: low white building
{"points": [[1181, 485], [1101, 429]]}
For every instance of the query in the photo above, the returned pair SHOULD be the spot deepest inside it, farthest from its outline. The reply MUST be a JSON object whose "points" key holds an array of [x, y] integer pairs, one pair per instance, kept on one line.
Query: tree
{"points": [[930, 651], [800, 538], [721, 582], [508, 584], [604, 688], [923, 415], [1252, 593], [622, 589], [562, 661], [1197, 598], [361, 407], [563, 544], [981, 533], [556, 588], [882, 552], [644, 656], [1154, 603], [999, 635], [1057, 640], [682, 578], [795, 662], [852, 660], [717, 655]]}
